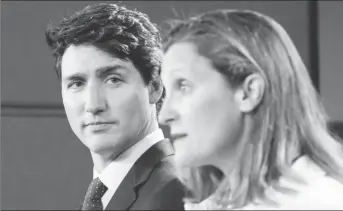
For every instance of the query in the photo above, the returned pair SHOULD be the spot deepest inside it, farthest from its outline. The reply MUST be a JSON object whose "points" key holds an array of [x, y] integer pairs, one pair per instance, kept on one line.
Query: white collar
{"points": [[116, 171]]}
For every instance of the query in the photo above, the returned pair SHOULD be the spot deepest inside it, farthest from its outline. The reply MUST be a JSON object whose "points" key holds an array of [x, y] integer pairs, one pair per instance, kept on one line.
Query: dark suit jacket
{"points": [[151, 183]]}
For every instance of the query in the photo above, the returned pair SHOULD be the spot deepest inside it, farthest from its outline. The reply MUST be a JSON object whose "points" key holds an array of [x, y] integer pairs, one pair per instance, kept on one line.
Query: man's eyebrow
{"points": [[74, 77], [100, 72], [103, 71]]}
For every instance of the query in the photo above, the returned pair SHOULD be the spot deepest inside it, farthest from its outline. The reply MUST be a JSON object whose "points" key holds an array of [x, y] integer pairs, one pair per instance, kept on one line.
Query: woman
{"points": [[248, 128]]}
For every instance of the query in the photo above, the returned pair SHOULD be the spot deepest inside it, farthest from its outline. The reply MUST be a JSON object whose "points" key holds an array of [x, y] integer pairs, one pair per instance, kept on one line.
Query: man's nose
{"points": [[95, 101]]}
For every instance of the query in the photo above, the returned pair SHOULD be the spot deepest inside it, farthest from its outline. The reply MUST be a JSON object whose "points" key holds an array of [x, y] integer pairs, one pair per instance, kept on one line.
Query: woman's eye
{"points": [[183, 85]]}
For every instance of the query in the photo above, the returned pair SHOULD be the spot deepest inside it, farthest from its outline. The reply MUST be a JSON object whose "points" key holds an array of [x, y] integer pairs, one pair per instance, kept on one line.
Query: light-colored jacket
{"points": [[319, 193]]}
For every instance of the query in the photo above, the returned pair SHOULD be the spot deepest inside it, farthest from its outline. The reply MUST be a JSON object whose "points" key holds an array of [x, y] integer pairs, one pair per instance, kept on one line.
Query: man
{"points": [[108, 60]]}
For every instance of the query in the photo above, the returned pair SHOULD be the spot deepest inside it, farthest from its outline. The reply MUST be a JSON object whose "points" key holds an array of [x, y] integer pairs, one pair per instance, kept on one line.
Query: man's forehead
{"points": [[85, 53], [88, 58]]}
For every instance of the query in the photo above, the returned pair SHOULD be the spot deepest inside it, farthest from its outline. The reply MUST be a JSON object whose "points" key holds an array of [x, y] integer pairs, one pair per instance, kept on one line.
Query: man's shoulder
{"points": [[163, 172], [162, 190]]}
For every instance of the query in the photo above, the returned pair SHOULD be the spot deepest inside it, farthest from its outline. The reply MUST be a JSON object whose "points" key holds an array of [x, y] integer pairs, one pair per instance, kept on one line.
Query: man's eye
{"points": [[113, 80], [75, 84]]}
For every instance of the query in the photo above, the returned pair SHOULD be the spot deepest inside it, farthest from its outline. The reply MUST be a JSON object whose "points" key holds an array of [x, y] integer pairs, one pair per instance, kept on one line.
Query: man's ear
{"points": [[250, 93], [155, 90]]}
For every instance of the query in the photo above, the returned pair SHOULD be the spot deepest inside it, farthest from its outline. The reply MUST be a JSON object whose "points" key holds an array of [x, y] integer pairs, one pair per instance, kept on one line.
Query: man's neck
{"points": [[101, 160]]}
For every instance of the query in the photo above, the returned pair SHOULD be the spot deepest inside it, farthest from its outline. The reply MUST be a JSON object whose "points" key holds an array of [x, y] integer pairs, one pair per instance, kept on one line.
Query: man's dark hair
{"points": [[123, 33]]}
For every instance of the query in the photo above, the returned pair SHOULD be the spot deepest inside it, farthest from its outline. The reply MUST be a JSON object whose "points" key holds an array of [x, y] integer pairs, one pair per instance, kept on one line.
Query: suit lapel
{"points": [[146, 163], [124, 196], [126, 193]]}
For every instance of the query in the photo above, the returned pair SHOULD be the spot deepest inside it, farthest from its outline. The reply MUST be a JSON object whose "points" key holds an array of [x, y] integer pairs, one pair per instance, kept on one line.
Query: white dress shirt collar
{"points": [[116, 171]]}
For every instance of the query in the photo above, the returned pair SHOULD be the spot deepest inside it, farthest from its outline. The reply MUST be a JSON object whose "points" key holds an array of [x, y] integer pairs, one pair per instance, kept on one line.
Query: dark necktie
{"points": [[93, 196]]}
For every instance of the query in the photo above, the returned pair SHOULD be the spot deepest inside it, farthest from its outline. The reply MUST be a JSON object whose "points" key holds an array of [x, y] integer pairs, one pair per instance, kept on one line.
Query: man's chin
{"points": [[98, 149], [107, 149], [99, 146]]}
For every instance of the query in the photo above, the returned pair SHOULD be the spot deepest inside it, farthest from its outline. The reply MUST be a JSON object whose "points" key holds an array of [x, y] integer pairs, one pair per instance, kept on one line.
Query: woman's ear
{"points": [[155, 90], [250, 94]]}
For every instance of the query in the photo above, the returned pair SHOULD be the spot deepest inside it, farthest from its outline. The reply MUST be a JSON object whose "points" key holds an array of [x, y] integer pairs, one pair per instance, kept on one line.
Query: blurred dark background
{"points": [[43, 165]]}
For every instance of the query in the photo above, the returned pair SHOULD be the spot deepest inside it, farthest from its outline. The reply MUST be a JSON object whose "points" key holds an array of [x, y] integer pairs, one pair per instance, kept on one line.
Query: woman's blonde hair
{"points": [[291, 118]]}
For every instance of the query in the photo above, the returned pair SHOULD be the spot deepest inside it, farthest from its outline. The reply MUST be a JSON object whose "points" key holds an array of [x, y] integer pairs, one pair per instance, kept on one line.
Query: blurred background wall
{"points": [[331, 57], [43, 165]]}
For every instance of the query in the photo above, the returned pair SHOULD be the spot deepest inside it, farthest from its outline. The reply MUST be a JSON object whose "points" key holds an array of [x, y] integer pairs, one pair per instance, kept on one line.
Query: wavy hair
{"points": [[121, 32], [291, 118]]}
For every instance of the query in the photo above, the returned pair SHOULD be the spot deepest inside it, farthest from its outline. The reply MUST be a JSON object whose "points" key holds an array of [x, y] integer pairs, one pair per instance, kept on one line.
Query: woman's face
{"points": [[200, 108]]}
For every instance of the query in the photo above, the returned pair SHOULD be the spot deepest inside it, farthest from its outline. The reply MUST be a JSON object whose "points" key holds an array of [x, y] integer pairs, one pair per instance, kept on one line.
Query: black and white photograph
{"points": [[171, 105]]}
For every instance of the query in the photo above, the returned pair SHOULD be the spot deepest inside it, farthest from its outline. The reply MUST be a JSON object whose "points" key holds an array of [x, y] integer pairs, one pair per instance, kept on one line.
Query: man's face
{"points": [[105, 99]]}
